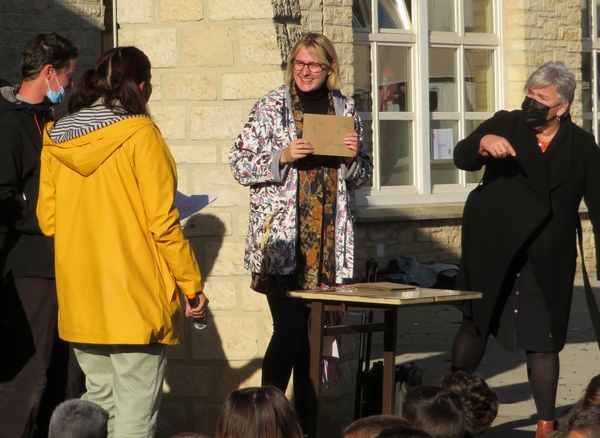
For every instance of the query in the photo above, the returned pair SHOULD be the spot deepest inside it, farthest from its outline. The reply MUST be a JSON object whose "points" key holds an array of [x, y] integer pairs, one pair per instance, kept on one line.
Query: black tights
{"points": [[542, 367], [289, 348]]}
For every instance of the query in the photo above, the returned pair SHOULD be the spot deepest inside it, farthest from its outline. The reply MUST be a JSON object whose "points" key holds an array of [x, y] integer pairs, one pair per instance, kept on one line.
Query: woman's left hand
{"points": [[352, 143]]}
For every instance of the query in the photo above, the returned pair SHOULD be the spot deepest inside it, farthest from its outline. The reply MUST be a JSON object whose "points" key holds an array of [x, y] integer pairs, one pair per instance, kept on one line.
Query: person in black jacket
{"points": [[519, 230], [28, 296]]}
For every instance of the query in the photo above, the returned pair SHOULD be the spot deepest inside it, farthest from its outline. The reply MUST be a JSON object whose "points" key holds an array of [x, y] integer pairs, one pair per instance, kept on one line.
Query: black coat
{"points": [[24, 250], [529, 203]]}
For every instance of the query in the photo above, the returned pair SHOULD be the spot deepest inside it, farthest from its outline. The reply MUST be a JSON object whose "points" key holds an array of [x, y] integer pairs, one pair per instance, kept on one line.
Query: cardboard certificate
{"points": [[326, 134]]}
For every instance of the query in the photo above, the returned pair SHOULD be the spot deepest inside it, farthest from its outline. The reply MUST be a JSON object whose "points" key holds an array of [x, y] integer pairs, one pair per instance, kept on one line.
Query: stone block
{"points": [[204, 225], [181, 10], [225, 154], [258, 45], [216, 122], [156, 83], [221, 295], [220, 181], [195, 154], [205, 417], [253, 85], [226, 258], [172, 418], [160, 45], [340, 16], [253, 301], [228, 379], [190, 86], [135, 11], [243, 223], [228, 338], [170, 120], [182, 180], [339, 34], [239, 9], [188, 380], [206, 47]]}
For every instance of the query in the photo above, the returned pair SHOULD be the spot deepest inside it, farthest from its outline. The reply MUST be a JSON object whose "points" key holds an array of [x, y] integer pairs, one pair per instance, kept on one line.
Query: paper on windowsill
{"points": [[189, 205]]}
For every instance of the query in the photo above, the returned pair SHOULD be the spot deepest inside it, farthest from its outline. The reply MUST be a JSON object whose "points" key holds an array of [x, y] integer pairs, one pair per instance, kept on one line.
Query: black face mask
{"points": [[535, 113]]}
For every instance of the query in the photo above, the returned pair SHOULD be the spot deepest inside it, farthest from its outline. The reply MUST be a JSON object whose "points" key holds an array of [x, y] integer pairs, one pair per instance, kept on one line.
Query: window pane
{"points": [[396, 155], [586, 82], [361, 14], [368, 140], [587, 126], [393, 78], [442, 80], [394, 14], [440, 15], [597, 12], [474, 177], [585, 18], [362, 78], [479, 80], [478, 16], [444, 135]]}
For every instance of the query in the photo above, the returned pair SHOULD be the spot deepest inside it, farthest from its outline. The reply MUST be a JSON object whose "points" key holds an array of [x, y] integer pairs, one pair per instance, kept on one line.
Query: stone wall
{"points": [[540, 31], [79, 20]]}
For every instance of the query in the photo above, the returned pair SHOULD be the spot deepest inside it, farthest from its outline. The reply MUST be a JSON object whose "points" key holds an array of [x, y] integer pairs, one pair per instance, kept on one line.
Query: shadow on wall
{"points": [[22, 20], [199, 371]]}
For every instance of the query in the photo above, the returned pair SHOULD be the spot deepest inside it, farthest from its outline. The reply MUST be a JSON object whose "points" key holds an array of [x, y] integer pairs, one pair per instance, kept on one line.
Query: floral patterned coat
{"points": [[254, 160]]}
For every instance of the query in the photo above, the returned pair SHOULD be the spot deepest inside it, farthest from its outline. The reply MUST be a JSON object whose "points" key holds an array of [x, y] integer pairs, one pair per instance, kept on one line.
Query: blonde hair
{"points": [[321, 49]]}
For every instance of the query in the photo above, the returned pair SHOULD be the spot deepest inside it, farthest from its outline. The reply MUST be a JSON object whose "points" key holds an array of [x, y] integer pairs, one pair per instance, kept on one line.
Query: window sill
{"points": [[409, 212], [416, 212]]}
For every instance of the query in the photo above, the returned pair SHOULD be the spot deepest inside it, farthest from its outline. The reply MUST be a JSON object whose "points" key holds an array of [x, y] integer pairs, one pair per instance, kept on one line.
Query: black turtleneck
{"points": [[316, 101]]}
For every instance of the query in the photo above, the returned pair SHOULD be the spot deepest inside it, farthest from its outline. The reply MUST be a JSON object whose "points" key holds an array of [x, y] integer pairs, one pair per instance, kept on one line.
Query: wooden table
{"points": [[364, 298]]}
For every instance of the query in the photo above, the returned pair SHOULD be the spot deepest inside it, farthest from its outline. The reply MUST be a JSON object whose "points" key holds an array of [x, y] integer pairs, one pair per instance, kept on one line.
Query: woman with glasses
{"points": [[300, 232]]}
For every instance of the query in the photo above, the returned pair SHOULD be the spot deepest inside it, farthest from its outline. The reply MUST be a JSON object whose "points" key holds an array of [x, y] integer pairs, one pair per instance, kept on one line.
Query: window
{"points": [[426, 74], [590, 62]]}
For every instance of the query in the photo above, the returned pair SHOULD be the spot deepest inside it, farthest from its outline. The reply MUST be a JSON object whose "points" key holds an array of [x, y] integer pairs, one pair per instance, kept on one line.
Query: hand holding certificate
{"points": [[326, 134]]}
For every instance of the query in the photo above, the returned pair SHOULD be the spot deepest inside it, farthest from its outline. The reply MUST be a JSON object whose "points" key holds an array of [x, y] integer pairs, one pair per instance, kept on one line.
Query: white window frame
{"points": [[591, 46], [419, 40]]}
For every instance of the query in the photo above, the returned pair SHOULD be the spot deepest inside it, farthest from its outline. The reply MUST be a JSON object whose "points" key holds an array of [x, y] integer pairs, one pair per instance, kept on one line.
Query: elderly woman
{"points": [[518, 242], [300, 232]]}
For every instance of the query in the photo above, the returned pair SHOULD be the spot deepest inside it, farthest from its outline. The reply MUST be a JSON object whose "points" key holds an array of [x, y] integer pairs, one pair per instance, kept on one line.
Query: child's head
{"points": [[435, 410], [480, 402], [370, 427], [78, 418], [403, 432], [261, 412], [585, 423]]}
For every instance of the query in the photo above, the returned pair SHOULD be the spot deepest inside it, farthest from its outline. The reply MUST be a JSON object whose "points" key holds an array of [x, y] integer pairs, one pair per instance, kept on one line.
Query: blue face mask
{"points": [[53, 95]]}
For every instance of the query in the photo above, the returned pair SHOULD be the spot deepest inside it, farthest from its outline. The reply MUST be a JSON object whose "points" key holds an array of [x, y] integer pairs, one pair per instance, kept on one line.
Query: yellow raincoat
{"points": [[107, 197]]}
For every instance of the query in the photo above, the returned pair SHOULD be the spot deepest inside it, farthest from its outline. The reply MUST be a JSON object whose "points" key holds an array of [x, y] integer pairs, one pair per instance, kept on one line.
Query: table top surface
{"points": [[402, 296]]}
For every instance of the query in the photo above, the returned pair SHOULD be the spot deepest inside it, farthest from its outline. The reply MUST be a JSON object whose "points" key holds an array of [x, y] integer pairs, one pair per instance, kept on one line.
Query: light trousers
{"points": [[126, 380]]}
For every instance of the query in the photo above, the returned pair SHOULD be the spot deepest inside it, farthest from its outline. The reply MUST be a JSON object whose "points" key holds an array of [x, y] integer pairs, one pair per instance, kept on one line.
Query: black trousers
{"points": [[33, 358], [289, 349]]}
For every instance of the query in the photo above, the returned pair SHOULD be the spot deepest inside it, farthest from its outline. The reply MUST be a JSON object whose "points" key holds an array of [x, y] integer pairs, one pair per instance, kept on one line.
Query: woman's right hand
{"points": [[496, 146], [296, 149]]}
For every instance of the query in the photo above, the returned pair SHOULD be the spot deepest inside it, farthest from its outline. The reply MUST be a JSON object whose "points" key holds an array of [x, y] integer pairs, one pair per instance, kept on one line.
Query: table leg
{"points": [[317, 331], [389, 362]]}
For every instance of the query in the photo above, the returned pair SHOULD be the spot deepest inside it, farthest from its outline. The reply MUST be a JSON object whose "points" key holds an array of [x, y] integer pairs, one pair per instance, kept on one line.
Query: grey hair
{"points": [[554, 74], [78, 419]]}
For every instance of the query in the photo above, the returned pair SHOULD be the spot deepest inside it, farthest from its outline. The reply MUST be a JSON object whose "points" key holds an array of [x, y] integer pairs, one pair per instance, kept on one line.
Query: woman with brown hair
{"points": [[262, 412], [107, 188]]}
